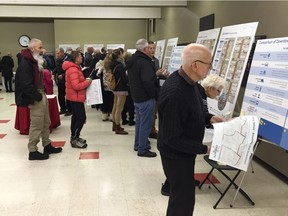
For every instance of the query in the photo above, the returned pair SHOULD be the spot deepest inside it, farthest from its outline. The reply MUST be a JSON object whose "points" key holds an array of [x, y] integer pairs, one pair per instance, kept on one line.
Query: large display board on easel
{"points": [[159, 52], [229, 62], [266, 94], [209, 38], [171, 43], [175, 61]]}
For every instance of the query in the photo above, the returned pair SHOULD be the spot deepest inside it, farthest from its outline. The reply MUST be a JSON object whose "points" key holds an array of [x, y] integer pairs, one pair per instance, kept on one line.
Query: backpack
{"points": [[109, 80]]}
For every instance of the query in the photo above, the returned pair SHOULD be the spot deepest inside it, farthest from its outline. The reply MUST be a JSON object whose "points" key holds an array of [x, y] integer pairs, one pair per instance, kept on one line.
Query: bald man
{"points": [[182, 121]]}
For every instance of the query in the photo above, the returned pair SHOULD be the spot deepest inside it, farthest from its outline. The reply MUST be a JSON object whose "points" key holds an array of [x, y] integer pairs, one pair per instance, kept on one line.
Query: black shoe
{"points": [[62, 112], [131, 123], [165, 189], [49, 149], [153, 135], [68, 114], [197, 182], [147, 154], [124, 122], [135, 149], [37, 156]]}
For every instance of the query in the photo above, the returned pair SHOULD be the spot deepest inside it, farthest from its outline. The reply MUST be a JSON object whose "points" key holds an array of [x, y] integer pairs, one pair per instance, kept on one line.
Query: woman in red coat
{"points": [[76, 86], [47, 79]]}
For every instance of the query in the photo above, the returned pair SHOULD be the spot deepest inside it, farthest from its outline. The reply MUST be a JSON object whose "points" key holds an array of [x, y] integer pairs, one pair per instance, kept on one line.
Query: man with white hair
{"points": [[182, 121], [143, 84], [29, 91]]}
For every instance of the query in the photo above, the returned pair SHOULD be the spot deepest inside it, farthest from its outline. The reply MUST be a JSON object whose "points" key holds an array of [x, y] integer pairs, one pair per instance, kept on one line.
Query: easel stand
{"points": [[221, 169]]}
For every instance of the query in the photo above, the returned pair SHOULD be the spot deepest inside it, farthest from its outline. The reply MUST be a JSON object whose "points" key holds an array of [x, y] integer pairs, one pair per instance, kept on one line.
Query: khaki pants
{"points": [[39, 124], [119, 101]]}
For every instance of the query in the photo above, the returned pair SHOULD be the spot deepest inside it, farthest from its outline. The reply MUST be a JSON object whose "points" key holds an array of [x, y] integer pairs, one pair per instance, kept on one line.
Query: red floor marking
{"points": [[4, 121], [201, 176], [58, 143], [2, 135], [1, 98], [89, 155], [12, 104]]}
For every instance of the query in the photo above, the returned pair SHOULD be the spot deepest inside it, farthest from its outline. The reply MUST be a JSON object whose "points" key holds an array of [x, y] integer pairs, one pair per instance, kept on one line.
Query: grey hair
{"points": [[141, 44], [33, 42], [214, 81], [60, 50]]}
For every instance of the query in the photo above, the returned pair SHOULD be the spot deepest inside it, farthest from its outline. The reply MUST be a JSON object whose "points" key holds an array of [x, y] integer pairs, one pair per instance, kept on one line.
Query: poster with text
{"points": [[266, 94], [229, 62], [171, 43], [209, 39], [159, 52], [175, 61]]}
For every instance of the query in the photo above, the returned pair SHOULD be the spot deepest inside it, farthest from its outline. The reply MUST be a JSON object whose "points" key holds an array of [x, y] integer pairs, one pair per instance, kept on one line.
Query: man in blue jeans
{"points": [[143, 86]]}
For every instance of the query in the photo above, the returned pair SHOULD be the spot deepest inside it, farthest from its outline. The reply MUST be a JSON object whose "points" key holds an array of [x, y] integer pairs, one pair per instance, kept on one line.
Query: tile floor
{"points": [[118, 183]]}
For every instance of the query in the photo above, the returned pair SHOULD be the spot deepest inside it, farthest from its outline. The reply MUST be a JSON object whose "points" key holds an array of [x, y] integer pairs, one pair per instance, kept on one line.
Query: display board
{"points": [[95, 46], [115, 46], [159, 52], [209, 38], [66, 46], [266, 94], [171, 43], [229, 62], [175, 61]]}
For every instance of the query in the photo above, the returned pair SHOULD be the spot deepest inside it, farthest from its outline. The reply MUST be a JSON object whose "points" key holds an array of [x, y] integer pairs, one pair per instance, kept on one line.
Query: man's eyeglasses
{"points": [[210, 64]]}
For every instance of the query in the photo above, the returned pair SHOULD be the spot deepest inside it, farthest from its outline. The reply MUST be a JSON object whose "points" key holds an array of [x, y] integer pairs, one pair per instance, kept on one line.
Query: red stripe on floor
{"points": [[1, 98], [201, 176], [12, 104], [4, 121], [89, 155], [58, 143], [2, 135]]}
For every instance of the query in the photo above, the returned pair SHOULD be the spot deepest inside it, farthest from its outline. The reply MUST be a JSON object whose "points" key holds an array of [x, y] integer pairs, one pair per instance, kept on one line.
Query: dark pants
{"points": [[64, 105], [180, 174], [8, 83], [108, 101], [78, 118]]}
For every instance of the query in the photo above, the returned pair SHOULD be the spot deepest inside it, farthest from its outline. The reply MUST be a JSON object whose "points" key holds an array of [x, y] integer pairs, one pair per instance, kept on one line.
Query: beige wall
{"points": [[184, 22], [99, 32], [13, 28]]}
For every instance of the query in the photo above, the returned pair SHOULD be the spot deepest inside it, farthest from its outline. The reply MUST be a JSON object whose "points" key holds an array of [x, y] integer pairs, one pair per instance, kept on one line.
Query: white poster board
{"points": [[94, 93], [209, 39], [115, 46], [229, 62], [266, 94], [66, 46], [159, 52], [234, 140], [171, 43], [175, 61], [95, 46]]}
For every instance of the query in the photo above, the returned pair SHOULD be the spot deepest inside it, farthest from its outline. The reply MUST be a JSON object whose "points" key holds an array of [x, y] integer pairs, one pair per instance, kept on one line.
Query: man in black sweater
{"points": [[143, 82], [182, 121]]}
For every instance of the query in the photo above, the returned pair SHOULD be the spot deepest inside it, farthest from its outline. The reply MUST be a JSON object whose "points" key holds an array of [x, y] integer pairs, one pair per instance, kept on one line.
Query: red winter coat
{"points": [[48, 82], [76, 83]]}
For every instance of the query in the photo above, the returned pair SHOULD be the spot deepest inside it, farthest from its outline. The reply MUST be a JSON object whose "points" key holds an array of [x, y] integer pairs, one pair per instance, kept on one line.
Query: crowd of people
{"points": [[181, 104]]}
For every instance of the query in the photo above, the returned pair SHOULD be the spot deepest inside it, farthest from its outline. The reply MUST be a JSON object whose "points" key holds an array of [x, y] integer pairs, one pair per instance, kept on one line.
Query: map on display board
{"points": [[209, 38], [229, 62], [171, 43], [175, 61], [159, 52], [266, 94], [234, 140]]}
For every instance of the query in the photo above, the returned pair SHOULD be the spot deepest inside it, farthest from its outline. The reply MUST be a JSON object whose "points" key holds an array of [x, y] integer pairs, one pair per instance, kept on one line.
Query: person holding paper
{"points": [[76, 86], [182, 121]]}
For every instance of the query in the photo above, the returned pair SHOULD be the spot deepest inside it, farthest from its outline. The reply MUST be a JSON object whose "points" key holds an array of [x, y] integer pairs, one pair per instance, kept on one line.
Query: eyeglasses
{"points": [[210, 64]]}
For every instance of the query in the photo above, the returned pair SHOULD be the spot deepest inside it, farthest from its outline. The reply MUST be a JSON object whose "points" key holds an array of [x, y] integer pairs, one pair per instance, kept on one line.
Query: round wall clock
{"points": [[24, 40]]}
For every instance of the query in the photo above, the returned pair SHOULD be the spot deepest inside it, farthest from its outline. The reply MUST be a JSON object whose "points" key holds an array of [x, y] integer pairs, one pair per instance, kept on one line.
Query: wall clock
{"points": [[24, 40]]}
